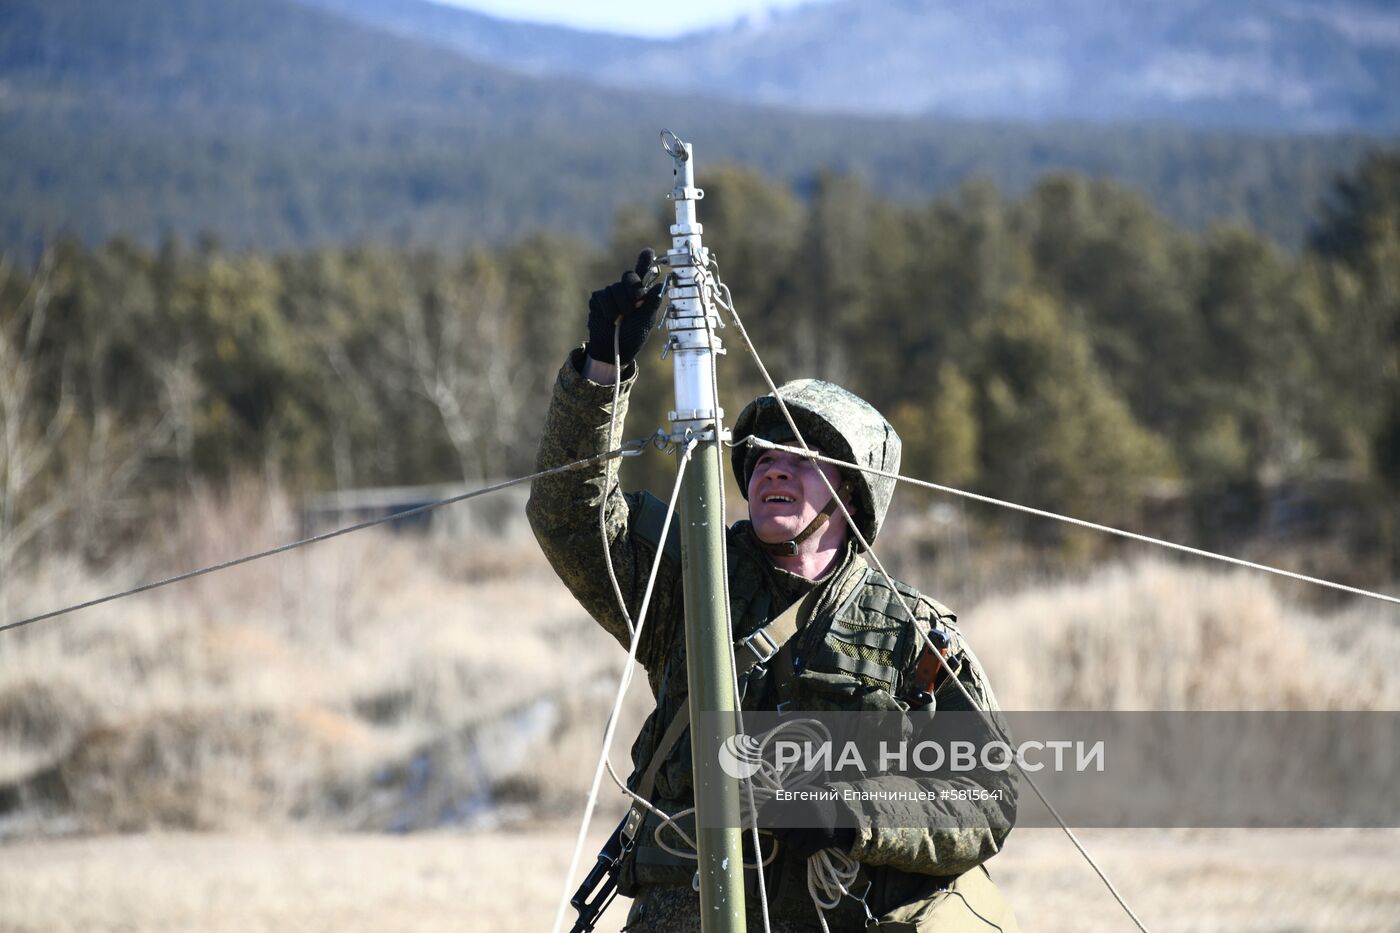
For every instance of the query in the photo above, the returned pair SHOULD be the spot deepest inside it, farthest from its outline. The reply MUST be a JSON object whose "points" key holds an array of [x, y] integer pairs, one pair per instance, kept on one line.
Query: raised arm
{"points": [[563, 509]]}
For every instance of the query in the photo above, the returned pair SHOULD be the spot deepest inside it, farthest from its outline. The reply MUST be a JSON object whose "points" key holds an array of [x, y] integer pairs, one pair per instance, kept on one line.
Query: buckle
{"points": [[632, 825], [751, 643], [871, 921]]}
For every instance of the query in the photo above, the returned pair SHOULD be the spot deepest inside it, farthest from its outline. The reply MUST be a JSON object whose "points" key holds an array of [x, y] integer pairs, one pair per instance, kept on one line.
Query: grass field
{"points": [[227, 754], [1239, 881]]}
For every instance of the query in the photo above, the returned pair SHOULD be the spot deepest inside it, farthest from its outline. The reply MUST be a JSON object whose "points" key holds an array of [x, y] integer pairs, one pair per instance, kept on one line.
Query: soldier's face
{"points": [[786, 493]]}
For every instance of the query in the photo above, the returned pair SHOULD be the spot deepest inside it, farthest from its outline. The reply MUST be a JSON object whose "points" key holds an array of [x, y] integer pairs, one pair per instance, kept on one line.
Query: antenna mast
{"points": [[693, 345]]}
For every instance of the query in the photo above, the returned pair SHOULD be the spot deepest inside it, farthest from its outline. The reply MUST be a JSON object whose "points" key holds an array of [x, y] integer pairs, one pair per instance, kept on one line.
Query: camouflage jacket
{"points": [[857, 651]]}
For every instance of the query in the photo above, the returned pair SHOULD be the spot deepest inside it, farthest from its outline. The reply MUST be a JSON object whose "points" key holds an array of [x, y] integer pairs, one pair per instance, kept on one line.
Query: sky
{"points": [[633, 17]]}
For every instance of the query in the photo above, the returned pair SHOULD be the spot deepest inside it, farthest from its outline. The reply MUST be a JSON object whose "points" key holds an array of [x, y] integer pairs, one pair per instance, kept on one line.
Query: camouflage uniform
{"points": [[856, 652]]}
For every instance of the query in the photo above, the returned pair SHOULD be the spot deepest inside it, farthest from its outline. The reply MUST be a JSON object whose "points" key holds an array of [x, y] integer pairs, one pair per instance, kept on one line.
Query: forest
{"points": [[1069, 348]]}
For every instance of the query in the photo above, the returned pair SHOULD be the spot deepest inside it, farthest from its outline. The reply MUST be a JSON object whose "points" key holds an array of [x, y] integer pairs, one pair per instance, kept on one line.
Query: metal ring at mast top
{"points": [[674, 146]]}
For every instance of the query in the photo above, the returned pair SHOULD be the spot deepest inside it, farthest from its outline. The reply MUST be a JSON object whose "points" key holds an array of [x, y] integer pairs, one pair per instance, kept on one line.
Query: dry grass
{"points": [[383, 681], [1238, 881], [388, 681], [1159, 636], [351, 684]]}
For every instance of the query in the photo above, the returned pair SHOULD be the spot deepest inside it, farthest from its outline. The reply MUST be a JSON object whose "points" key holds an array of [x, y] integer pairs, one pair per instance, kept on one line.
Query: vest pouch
{"points": [[971, 904], [649, 863], [826, 691]]}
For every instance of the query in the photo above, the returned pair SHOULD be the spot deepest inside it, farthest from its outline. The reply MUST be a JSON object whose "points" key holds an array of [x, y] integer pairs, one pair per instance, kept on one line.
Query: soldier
{"points": [[855, 648]]}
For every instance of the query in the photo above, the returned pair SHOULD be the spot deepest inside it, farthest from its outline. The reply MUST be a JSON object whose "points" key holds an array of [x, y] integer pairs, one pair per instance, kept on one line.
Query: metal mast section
{"points": [[693, 346]]}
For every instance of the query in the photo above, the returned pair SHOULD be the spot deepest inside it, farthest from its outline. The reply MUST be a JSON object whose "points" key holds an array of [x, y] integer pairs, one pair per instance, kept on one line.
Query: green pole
{"points": [[709, 655], [710, 668]]}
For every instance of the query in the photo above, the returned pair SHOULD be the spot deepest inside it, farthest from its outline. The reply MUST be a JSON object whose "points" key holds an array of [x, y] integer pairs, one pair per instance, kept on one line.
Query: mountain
{"points": [[271, 123], [530, 48], [1297, 65]]}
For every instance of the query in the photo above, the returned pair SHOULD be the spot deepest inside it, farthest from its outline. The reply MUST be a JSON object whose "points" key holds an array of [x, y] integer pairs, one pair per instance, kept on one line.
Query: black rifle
{"points": [[600, 887]]}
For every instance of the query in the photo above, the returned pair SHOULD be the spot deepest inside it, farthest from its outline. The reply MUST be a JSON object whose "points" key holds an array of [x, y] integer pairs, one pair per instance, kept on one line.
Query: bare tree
{"points": [[357, 386], [495, 366], [68, 466], [105, 472], [29, 435], [461, 358], [179, 390]]}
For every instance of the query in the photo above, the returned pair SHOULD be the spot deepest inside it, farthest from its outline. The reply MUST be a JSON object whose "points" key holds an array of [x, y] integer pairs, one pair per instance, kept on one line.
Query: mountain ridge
{"points": [[1304, 65], [274, 124]]}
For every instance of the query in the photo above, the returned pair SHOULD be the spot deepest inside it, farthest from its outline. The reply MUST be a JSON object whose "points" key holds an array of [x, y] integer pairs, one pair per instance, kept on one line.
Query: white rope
{"points": [[613, 427], [666, 819], [707, 298], [762, 787], [830, 874], [623, 684], [727, 303], [669, 821], [627, 449], [1093, 526]]}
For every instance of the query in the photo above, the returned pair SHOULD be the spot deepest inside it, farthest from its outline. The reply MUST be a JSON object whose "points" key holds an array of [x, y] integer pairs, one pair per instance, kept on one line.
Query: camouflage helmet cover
{"points": [[838, 423]]}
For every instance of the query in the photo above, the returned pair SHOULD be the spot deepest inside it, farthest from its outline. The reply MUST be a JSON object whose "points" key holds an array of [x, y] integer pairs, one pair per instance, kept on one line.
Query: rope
{"points": [[707, 299], [1068, 519], [830, 872], [726, 302], [764, 784], [666, 818], [628, 449], [622, 686], [670, 820], [613, 427]]}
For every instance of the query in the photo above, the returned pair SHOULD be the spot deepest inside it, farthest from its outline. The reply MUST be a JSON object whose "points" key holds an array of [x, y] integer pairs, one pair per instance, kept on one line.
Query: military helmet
{"points": [[838, 423]]}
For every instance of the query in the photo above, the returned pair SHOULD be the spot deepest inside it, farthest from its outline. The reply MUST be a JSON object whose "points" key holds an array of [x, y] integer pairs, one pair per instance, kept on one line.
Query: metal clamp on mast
{"points": [[693, 346], [692, 322]]}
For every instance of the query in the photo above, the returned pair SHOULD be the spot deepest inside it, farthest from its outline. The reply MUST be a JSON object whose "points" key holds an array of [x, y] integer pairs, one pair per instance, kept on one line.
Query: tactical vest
{"points": [[851, 654]]}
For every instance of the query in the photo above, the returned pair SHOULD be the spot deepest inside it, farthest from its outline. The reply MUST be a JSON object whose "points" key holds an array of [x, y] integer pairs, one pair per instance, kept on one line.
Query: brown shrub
{"points": [[1154, 635]]}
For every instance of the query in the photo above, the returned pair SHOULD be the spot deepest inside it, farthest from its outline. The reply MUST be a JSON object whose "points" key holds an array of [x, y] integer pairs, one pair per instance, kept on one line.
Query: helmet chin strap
{"points": [[789, 548]]}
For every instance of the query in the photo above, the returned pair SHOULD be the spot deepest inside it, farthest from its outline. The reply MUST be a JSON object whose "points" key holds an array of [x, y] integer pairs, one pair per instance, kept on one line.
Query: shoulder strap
{"points": [[648, 518], [679, 722], [763, 645]]}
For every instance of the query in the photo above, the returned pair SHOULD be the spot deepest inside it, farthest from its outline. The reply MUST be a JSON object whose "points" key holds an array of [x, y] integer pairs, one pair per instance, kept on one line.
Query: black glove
{"points": [[807, 826], [630, 307]]}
